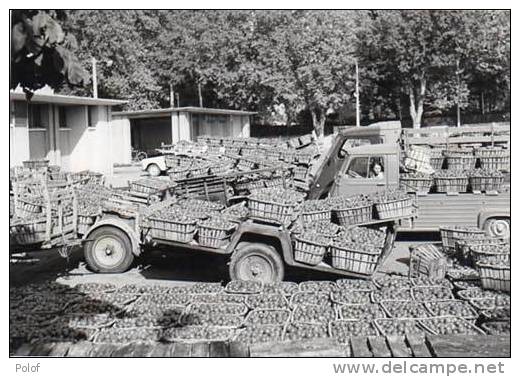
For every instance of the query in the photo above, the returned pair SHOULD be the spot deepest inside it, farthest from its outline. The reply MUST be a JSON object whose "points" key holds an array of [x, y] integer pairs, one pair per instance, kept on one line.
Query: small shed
{"points": [[146, 130]]}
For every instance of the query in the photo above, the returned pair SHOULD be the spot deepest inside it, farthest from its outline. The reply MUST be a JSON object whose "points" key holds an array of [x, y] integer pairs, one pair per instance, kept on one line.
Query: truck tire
{"points": [[498, 227], [154, 170], [258, 262], [110, 250]]}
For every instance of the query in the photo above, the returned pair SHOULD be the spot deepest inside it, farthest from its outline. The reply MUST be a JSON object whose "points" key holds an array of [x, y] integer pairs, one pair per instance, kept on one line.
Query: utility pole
{"points": [[200, 96], [458, 94], [357, 95], [172, 96], [94, 78], [178, 102]]}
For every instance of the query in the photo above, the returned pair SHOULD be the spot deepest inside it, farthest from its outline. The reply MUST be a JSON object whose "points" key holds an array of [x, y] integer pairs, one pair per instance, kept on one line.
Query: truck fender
{"points": [[241, 235], [131, 233], [489, 214]]}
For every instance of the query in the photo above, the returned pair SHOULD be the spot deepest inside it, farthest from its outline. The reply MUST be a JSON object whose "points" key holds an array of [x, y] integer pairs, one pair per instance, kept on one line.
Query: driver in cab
{"points": [[376, 171]]}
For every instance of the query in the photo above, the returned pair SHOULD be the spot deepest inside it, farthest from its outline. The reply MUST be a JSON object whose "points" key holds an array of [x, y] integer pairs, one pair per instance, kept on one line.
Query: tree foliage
{"points": [[431, 56], [299, 61], [124, 44], [41, 52], [260, 59]]}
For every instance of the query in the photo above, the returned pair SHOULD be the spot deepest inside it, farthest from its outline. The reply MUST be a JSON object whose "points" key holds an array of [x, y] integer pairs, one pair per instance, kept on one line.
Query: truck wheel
{"points": [[498, 227], [154, 170], [258, 262], [110, 250]]}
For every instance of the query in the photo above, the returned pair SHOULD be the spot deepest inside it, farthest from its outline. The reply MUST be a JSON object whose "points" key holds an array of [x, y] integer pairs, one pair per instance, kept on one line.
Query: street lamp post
{"points": [[94, 78], [108, 62], [357, 95]]}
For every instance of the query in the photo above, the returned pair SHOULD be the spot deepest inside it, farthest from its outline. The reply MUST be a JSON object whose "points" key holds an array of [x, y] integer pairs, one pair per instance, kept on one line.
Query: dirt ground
{"points": [[172, 267]]}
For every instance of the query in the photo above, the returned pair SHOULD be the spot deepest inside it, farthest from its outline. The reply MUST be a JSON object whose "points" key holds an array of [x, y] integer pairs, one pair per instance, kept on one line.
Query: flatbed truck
{"points": [[261, 251]]}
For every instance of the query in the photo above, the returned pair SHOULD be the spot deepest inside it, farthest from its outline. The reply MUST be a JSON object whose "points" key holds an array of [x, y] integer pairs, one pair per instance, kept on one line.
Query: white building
{"points": [[146, 130], [72, 132]]}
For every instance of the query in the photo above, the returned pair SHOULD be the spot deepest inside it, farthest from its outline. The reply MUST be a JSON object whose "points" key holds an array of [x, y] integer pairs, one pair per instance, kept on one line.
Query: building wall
{"points": [[236, 125], [184, 126], [121, 141], [149, 133], [246, 126], [99, 141], [74, 147], [18, 134]]}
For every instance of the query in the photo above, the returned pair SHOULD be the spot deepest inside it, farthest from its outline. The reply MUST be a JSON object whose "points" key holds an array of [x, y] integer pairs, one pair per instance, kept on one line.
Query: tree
{"points": [[430, 56], [490, 73], [313, 60], [221, 51], [124, 43], [41, 53], [302, 60]]}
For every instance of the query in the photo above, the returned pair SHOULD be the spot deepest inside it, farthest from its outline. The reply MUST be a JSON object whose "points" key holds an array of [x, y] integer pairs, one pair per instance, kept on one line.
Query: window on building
{"points": [[91, 116], [38, 115], [62, 115]]}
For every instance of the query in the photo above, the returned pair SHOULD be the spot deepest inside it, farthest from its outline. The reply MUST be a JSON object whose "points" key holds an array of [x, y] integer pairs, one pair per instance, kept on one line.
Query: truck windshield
{"points": [[350, 143]]}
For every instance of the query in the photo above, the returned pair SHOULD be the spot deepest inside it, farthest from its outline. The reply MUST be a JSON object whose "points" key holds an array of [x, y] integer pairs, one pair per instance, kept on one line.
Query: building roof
{"points": [[61, 99], [157, 113]]}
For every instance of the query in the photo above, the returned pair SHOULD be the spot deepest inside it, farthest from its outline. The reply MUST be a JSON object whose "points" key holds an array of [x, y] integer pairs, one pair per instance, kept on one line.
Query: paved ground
{"points": [[172, 267], [123, 174]]}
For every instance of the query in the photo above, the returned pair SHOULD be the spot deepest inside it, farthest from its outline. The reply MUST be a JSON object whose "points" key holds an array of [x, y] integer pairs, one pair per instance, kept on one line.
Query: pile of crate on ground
{"points": [[50, 207], [478, 265], [455, 169], [45, 205], [253, 313]]}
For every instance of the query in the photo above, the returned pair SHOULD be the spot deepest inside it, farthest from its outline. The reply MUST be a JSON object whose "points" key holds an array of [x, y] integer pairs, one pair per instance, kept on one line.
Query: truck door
{"points": [[362, 175]]}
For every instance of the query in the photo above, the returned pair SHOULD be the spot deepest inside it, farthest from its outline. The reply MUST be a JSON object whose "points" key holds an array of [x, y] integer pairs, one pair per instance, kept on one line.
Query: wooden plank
{"points": [[398, 346], [160, 350], [102, 350], [238, 349], [218, 349], [123, 350], [61, 349], [378, 346], [141, 350], [359, 345], [25, 349], [43, 349], [182, 350], [323, 347], [418, 345], [469, 345], [80, 349], [200, 349]]}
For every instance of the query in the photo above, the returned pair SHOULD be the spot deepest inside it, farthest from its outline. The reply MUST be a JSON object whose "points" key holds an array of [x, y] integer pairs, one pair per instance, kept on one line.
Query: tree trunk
{"points": [[417, 103], [318, 122]]}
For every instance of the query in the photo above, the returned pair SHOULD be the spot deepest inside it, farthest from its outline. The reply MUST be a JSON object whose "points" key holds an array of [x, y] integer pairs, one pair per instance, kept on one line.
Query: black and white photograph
{"points": [[246, 183]]}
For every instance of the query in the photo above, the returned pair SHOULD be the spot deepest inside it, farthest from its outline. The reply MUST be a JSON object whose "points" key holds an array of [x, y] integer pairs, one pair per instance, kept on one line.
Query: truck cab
{"points": [[367, 169], [352, 141], [348, 169]]}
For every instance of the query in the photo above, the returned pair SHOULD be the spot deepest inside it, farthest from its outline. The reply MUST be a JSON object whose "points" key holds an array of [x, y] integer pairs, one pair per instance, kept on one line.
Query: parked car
{"points": [[155, 166]]}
